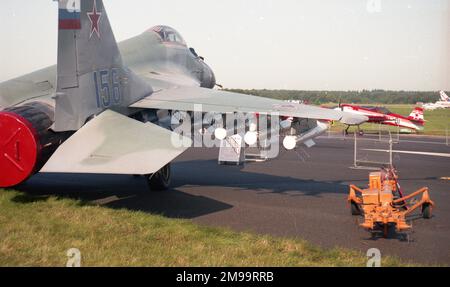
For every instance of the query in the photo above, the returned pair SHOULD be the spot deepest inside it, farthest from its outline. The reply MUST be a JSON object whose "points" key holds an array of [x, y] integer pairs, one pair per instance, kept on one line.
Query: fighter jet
{"points": [[98, 110], [443, 103]]}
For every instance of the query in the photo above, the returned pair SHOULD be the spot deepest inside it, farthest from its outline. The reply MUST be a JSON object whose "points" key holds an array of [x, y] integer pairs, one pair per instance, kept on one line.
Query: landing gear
{"points": [[161, 179], [360, 131], [346, 131]]}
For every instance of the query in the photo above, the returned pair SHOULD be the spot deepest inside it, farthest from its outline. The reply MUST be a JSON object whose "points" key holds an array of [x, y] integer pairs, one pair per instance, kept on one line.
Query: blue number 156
{"points": [[107, 88]]}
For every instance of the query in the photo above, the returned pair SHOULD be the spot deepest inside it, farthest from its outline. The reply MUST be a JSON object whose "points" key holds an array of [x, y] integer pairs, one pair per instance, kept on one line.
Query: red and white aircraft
{"points": [[381, 115]]}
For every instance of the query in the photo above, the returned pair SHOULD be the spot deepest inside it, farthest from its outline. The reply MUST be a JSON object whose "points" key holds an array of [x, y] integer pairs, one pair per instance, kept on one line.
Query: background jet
{"points": [[98, 109], [443, 103]]}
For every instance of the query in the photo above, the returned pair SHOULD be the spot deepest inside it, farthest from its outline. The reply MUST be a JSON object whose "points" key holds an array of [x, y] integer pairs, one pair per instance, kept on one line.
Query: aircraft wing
{"points": [[186, 98], [115, 144]]}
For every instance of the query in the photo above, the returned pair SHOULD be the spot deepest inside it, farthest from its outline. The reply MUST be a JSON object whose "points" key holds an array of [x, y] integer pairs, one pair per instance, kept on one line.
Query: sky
{"points": [[267, 44]]}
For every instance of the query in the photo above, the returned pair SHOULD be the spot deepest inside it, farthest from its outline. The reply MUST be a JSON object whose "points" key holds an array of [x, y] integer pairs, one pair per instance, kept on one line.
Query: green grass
{"points": [[38, 231], [437, 121]]}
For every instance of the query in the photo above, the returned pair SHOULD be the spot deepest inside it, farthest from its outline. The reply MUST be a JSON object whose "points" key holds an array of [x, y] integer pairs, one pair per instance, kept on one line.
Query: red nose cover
{"points": [[19, 149]]}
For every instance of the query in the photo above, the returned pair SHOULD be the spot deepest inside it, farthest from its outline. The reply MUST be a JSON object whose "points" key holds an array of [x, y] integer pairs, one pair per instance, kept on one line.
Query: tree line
{"points": [[356, 97]]}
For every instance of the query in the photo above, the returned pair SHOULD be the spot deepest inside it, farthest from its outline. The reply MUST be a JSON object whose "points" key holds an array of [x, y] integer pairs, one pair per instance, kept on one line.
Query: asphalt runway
{"points": [[300, 194]]}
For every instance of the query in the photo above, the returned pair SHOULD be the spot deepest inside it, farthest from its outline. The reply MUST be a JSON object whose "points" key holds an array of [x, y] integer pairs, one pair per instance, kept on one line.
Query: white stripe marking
{"points": [[413, 152]]}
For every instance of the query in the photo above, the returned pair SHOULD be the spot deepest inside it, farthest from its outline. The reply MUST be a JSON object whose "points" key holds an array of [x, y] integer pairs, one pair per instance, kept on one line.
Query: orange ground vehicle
{"points": [[383, 204]]}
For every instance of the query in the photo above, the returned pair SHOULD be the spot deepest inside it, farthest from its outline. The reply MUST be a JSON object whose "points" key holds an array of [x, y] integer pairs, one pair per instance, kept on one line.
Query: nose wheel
{"points": [[161, 179]]}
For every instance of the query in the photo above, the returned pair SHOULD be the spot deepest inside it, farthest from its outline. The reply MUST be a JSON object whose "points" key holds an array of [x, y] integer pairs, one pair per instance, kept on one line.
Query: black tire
{"points": [[386, 229], [161, 179], [355, 208], [426, 211]]}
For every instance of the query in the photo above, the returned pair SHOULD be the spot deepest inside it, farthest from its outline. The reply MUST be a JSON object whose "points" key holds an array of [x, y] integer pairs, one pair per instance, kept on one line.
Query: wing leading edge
{"points": [[185, 98]]}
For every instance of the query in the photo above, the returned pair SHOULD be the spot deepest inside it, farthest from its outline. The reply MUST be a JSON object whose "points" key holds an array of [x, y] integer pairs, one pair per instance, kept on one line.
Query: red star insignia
{"points": [[94, 17]]}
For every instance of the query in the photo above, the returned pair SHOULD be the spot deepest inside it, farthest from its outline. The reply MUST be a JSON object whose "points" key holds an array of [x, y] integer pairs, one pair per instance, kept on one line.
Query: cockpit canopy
{"points": [[381, 110], [168, 35]]}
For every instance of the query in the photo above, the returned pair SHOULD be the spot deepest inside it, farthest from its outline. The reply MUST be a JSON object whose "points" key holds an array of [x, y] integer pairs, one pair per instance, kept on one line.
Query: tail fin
{"points": [[444, 96], [417, 115], [90, 72]]}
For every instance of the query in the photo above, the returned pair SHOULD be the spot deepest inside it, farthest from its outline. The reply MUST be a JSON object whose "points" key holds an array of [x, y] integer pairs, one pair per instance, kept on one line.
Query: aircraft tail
{"points": [[444, 96], [90, 73], [417, 115]]}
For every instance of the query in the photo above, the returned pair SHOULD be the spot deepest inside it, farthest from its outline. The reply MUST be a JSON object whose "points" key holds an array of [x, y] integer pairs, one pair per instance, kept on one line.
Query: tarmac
{"points": [[301, 194]]}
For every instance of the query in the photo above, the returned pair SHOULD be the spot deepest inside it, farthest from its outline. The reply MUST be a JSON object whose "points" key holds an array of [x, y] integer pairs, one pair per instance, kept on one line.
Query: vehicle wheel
{"points": [[386, 228], [426, 211], [161, 179], [355, 208]]}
